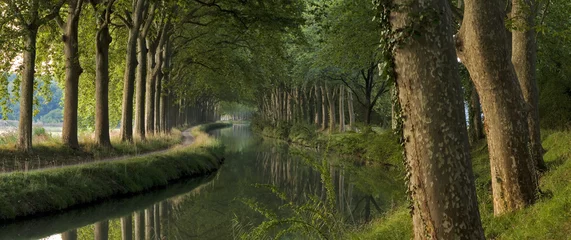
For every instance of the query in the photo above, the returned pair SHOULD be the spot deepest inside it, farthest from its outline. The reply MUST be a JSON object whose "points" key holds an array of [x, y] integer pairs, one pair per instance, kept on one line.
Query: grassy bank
{"points": [[367, 145], [48, 150], [549, 218], [51, 190]]}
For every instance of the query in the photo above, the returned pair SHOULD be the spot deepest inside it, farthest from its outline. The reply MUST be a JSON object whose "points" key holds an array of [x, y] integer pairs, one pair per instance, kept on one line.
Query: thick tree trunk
{"points": [[27, 90], [128, 86], [141, 102], [101, 230], [437, 153], [341, 108], [72, 72], [103, 39], [151, 89], [127, 228], [524, 58], [487, 58]]}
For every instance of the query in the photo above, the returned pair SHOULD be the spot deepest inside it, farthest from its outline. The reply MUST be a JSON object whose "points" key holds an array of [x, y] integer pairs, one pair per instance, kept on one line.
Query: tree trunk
{"points": [[441, 182], [351, 110], [341, 108], [128, 86], [157, 104], [72, 72], [476, 130], [151, 88], [27, 91], [103, 39], [524, 58], [149, 223], [127, 228], [323, 109], [487, 58], [331, 100], [101, 230], [141, 102], [69, 235], [139, 225], [316, 104]]}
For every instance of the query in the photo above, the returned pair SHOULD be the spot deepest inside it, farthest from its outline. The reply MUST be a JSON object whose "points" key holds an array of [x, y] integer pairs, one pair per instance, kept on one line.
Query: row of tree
{"points": [[405, 66], [142, 61]]}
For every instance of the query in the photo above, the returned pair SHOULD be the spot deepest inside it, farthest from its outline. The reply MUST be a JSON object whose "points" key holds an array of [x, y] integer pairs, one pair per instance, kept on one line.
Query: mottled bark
{"points": [[441, 182], [72, 72], [524, 58], [487, 58]]}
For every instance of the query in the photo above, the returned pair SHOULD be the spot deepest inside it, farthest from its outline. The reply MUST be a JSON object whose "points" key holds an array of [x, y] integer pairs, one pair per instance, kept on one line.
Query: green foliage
{"points": [[54, 116], [39, 131]]}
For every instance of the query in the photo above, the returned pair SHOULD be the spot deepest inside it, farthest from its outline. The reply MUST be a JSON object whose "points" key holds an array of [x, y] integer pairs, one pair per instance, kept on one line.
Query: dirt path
{"points": [[187, 140]]}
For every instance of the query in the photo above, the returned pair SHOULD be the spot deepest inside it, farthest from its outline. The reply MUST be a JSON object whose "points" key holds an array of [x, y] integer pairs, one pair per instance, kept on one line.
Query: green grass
{"points": [[380, 146], [48, 151], [50, 190], [549, 218]]}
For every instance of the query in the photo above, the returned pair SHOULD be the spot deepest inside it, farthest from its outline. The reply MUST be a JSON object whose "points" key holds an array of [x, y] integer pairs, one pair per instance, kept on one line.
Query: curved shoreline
{"points": [[25, 195]]}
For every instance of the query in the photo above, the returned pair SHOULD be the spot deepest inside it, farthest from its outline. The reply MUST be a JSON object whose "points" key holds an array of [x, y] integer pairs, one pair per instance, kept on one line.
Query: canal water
{"points": [[259, 177]]}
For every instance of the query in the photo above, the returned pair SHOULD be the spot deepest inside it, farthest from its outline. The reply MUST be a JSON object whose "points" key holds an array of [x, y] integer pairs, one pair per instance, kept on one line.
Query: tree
{"points": [[133, 20], [487, 58], [524, 58], [441, 183], [72, 72], [103, 10], [30, 16]]}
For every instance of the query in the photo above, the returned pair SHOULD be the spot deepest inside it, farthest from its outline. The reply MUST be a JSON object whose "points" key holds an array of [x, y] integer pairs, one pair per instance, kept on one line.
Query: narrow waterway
{"points": [[215, 207]]}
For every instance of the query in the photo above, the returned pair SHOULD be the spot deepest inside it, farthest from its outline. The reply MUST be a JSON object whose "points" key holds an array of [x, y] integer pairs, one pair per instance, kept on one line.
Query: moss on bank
{"points": [[549, 218], [43, 191]]}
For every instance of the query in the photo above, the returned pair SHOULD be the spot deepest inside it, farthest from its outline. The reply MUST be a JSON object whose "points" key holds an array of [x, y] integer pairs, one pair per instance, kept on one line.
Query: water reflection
{"points": [[206, 209]]}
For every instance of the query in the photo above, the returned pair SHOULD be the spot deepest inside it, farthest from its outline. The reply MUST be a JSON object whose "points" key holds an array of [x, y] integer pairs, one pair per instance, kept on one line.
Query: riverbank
{"points": [[366, 146], [25, 194], [549, 218], [48, 150]]}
